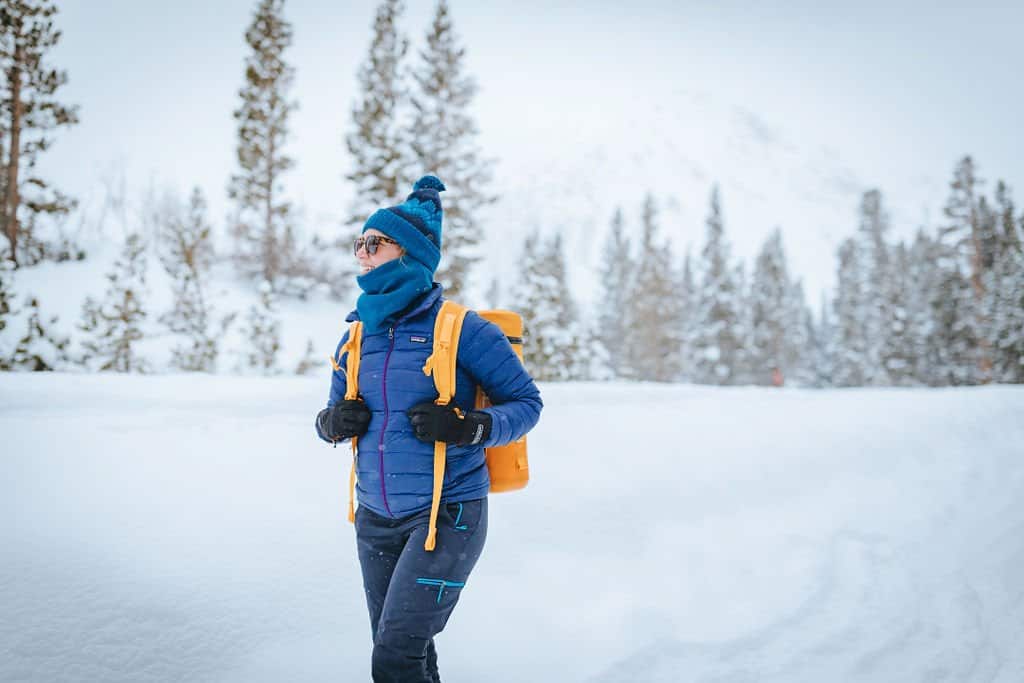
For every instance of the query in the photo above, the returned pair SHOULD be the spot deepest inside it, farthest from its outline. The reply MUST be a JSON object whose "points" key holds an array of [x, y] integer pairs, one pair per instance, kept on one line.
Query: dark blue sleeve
{"points": [[338, 384], [486, 354]]}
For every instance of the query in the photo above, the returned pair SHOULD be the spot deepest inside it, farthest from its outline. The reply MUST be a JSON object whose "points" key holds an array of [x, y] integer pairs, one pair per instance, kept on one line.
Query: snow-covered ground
{"points": [[191, 528]]}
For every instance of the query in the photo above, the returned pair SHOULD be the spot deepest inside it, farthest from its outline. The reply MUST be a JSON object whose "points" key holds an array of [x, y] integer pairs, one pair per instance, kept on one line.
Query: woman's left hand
{"points": [[431, 422]]}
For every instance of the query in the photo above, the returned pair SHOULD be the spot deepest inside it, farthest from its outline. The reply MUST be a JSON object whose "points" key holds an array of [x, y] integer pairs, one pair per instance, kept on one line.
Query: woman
{"points": [[411, 592]]}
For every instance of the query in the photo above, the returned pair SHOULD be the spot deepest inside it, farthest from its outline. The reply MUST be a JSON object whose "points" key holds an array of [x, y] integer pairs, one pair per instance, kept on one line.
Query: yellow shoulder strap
{"points": [[441, 364], [353, 347]]}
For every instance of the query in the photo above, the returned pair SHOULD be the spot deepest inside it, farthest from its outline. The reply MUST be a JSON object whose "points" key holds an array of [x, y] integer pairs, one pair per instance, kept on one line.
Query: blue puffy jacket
{"points": [[395, 471]]}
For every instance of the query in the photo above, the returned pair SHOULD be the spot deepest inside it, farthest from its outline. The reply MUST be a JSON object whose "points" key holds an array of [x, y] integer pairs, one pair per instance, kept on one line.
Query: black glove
{"points": [[344, 420], [432, 422]]}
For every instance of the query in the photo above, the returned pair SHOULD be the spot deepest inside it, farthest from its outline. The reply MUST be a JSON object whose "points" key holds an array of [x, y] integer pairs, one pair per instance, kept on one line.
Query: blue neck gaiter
{"points": [[389, 289]]}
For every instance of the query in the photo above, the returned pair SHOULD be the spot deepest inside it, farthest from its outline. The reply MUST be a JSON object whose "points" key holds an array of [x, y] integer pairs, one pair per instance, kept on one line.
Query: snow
{"points": [[192, 528]]}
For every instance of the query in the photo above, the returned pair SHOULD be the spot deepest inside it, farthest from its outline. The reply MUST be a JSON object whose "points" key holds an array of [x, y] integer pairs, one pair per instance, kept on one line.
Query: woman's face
{"points": [[387, 250]]}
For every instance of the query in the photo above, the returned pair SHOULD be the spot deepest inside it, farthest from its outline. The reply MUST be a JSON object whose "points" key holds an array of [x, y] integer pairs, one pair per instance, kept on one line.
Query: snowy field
{"points": [[177, 528]]}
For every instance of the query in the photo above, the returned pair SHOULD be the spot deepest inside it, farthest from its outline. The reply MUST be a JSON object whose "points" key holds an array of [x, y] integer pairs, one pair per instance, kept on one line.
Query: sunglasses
{"points": [[372, 243]]}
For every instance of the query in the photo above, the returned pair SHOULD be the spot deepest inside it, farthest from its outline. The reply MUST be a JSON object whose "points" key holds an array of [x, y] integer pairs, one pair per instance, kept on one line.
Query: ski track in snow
{"points": [[945, 607], [191, 528]]}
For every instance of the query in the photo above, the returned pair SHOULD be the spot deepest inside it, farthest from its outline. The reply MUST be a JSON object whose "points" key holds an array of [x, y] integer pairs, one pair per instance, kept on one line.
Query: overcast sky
{"points": [[898, 89]]}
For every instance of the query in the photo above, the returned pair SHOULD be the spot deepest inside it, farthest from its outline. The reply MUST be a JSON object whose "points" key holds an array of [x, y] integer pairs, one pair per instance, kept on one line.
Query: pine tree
{"points": [[1006, 305], [6, 294], [494, 296], [801, 338], [444, 142], [655, 317], [262, 224], [39, 350], [615, 296], [1005, 294], [553, 338], [719, 339], [309, 363], [955, 333], [851, 356], [777, 320], [688, 303], [113, 326], [1008, 236], [923, 276], [29, 114], [187, 255], [742, 329], [874, 271], [7, 311], [262, 334], [898, 351], [822, 344], [964, 245], [959, 234], [378, 143]]}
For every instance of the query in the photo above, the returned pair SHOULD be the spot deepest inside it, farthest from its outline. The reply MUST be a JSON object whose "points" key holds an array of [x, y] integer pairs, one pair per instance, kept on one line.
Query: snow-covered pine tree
{"points": [[6, 293], [187, 253], [899, 350], [262, 334], [654, 313], [1005, 301], [1005, 295], [956, 334], [262, 220], [822, 343], [443, 140], [803, 372], [963, 240], [112, 327], [688, 303], [40, 350], [494, 296], [959, 235], [329, 263], [1009, 237], [377, 141], [874, 271], [719, 341], [776, 318], [615, 291], [309, 362], [851, 358], [7, 296], [29, 114], [552, 342], [593, 361], [923, 276]]}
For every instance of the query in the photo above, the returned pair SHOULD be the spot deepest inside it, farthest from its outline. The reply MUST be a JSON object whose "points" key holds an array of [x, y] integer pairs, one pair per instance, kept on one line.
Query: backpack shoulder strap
{"points": [[354, 348], [441, 364]]}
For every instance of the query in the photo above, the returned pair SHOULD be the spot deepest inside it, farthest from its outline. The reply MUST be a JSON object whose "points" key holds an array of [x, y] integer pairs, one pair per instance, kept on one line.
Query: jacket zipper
{"points": [[387, 414]]}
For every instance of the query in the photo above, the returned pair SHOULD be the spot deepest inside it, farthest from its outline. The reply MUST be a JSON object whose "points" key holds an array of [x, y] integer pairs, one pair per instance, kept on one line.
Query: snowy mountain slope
{"points": [[192, 527], [570, 169]]}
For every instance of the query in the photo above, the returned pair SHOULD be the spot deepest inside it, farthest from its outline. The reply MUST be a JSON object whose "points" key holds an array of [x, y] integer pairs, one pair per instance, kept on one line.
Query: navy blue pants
{"points": [[411, 592]]}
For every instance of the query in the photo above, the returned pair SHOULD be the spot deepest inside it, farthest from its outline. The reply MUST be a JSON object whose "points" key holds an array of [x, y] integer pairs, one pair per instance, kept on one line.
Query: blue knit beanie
{"points": [[415, 223]]}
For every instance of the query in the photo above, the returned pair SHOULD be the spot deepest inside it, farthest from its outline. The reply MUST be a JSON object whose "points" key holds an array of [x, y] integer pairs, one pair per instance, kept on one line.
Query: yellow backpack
{"points": [[507, 465]]}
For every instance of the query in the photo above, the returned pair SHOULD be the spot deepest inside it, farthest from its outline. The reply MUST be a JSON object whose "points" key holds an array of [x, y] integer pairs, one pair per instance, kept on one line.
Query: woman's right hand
{"points": [[344, 420]]}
